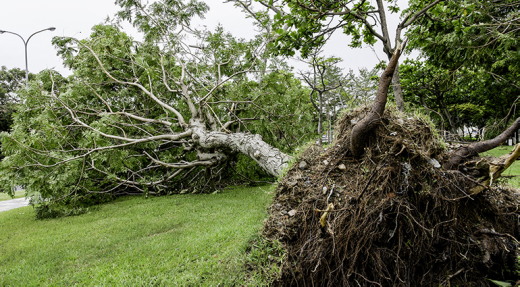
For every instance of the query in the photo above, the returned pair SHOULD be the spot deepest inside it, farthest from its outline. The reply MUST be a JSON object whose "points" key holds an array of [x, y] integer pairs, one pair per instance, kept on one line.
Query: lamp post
{"points": [[25, 42]]}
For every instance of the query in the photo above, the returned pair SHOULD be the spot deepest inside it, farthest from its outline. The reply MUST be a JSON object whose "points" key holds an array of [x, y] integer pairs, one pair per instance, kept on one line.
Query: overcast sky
{"points": [[76, 17]]}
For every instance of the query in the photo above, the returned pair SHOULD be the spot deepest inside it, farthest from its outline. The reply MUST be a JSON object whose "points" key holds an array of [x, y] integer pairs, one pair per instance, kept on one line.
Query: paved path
{"points": [[13, 203]]}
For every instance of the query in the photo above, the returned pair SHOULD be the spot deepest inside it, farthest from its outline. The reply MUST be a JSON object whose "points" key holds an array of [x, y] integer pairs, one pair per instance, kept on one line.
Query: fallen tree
{"points": [[161, 116], [172, 114], [393, 216]]}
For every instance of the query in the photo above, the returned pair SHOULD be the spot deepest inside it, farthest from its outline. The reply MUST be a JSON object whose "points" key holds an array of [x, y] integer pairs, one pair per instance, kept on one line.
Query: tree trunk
{"points": [[362, 129], [320, 117], [271, 159], [466, 152], [398, 91]]}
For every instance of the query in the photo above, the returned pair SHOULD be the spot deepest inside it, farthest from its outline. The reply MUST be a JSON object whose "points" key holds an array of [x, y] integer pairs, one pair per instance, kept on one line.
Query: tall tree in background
{"points": [[456, 99], [325, 80], [480, 38], [361, 86]]}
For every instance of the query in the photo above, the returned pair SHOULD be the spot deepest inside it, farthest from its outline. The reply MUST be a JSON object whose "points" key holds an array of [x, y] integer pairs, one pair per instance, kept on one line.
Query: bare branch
{"points": [[183, 164], [135, 117], [384, 27], [411, 17], [471, 150], [219, 84], [179, 116], [126, 139]]}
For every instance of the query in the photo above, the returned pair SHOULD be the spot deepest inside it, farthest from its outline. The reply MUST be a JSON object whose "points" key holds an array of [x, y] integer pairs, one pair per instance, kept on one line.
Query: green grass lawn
{"points": [[5, 196], [512, 174], [181, 240]]}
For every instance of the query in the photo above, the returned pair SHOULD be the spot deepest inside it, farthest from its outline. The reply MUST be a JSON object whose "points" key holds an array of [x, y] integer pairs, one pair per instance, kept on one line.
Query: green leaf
{"points": [[501, 283]]}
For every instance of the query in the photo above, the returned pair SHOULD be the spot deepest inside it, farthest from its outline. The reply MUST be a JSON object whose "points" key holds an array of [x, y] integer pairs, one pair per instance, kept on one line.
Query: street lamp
{"points": [[25, 42]]}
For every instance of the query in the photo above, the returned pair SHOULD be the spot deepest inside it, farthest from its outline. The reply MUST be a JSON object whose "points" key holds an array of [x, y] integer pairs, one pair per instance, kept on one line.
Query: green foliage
{"points": [[59, 172], [456, 98], [269, 107], [183, 240], [360, 87], [99, 153], [70, 206], [162, 18], [10, 82], [246, 171], [478, 34], [471, 52], [308, 24], [277, 101]]}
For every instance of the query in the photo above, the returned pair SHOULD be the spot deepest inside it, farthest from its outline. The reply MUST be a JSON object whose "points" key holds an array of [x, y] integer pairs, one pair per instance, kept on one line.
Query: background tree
{"points": [[477, 41], [457, 99], [325, 80], [11, 80], [361, 86]]}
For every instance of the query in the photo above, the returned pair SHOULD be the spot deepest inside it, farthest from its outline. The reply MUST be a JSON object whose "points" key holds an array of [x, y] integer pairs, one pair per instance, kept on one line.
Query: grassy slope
{"points": [[512, 174], [195, 240]]}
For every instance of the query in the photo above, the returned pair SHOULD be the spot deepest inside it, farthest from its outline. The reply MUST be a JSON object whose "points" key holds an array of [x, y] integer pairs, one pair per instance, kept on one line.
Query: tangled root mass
{"points": [[393, 217]]}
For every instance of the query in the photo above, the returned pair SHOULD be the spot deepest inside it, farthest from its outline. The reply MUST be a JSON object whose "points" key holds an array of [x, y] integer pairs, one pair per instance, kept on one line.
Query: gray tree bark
{"points": [[398, 91], [271, 159]]}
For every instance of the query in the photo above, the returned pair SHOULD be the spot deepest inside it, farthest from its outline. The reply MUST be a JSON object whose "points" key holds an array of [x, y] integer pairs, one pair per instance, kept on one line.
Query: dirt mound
{"points": [[394, 217]]}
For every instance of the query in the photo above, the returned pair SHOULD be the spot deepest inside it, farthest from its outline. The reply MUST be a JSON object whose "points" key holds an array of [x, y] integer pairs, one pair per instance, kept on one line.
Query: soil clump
{"points": [[393, 217]]}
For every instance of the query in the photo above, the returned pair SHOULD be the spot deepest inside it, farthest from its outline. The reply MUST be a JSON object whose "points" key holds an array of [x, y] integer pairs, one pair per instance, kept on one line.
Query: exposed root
{"points": [[393, 217]]}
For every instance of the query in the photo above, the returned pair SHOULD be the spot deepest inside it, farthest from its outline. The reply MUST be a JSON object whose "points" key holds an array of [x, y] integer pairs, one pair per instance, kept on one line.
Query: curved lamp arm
{"points": [[25, 42]]}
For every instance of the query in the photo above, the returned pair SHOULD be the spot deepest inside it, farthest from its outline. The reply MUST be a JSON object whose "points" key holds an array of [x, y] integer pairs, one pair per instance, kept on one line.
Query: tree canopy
{"points": [[471, 56], [457, 98], [306, 25]]}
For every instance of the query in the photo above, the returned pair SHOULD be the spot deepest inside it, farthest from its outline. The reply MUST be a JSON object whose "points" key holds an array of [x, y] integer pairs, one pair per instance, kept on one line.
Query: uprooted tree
{"points": [[305, 25], [388, 205]]}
